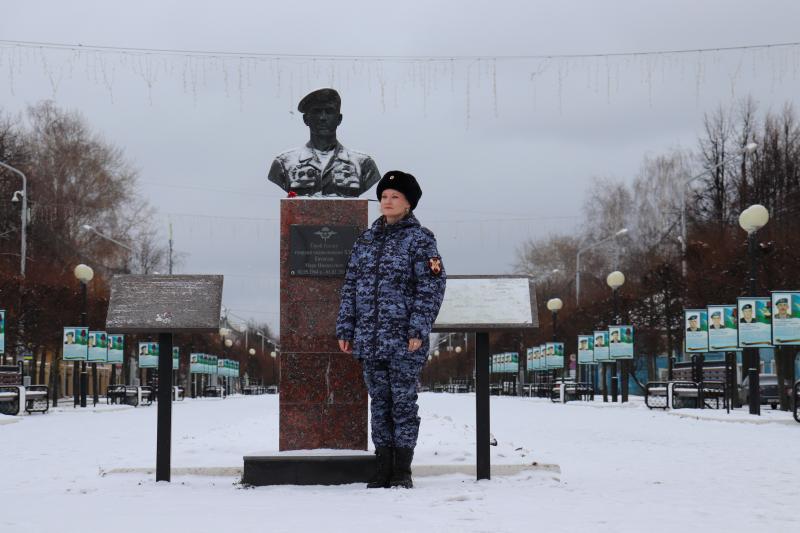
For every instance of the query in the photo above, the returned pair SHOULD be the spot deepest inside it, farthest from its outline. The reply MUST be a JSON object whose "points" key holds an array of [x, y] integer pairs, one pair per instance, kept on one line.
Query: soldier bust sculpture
{"points": [[323, 167]]}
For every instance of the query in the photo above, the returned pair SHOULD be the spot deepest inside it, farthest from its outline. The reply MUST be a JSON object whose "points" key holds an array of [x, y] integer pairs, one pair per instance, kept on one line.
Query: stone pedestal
{"points": [[323, 400]]}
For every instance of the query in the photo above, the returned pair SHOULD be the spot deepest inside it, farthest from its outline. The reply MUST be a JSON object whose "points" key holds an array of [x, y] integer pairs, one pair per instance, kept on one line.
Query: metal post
{"points": [[578, 279], [614, 383], [164, 424], [753, 361], [76, 386], [95, 384], [23, 218], [483, 466], [755, 400], [83, 379], [84, 383], [624, 370], [604, 381]]}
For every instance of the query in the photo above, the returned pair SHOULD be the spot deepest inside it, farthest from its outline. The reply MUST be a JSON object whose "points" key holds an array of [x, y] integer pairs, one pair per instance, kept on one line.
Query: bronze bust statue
{"points": [[323, 167]]}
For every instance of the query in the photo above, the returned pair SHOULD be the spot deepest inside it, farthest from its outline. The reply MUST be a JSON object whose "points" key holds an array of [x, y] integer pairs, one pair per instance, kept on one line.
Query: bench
{"points": [[129, 395], [16, 398], [254, 390], [214, 391], [694, 384], [563, 392], [178, 393], [796, 402]]}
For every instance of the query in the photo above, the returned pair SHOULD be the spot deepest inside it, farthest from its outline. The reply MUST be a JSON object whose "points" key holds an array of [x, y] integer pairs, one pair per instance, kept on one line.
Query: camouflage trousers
{"points": [[392, 387]]}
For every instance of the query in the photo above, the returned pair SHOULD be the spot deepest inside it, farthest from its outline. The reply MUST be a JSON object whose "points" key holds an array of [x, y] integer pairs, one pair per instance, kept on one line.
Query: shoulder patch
{"points": [[435, 266]]}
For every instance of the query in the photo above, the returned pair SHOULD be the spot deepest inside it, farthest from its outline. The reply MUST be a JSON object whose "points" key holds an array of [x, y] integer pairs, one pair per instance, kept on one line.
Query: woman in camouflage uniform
{"points": [[390, 298]]}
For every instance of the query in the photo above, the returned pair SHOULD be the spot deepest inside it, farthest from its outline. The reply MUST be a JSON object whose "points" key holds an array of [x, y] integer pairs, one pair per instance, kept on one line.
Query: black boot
{"points": [[383, 468], [401, 476]]}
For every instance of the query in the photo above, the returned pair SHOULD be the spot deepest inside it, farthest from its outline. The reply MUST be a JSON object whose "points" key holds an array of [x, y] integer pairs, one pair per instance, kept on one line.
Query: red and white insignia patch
{"points": [[435, 266]]}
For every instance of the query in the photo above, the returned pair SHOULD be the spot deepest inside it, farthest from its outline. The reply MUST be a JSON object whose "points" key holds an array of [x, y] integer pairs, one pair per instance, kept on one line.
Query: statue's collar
{"points": [[307, 153]]}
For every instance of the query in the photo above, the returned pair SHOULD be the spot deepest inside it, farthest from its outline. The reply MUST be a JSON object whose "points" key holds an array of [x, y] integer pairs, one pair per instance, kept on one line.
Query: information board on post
{"points": [[620, 342], [601, 350], [723, 331], [786, 318], [148, 355], [116, 348], [586, 350], [755, 322], [98, 347], [75, 344], [696, 328]]}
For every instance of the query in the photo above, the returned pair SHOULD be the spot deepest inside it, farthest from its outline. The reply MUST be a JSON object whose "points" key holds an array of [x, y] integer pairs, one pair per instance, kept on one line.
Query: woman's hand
{"points": [[345, 346], [414, 344]]}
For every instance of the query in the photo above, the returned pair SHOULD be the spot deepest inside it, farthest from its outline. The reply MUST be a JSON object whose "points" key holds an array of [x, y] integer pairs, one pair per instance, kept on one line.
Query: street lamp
{"points": [[615, 280], [619, 233], [751, 220], [87, 227], [554, 305], [84, 274], [749, 148], [274, 356], [23, 215]]}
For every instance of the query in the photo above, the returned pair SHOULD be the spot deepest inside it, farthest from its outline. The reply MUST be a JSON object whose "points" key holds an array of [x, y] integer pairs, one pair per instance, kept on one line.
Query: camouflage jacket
{"points": [[348, 173], [392, 290]]}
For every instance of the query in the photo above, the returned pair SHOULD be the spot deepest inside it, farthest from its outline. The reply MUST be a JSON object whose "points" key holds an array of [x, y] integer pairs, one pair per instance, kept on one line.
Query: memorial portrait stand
{"points": [[164, 305], [481, 305]]}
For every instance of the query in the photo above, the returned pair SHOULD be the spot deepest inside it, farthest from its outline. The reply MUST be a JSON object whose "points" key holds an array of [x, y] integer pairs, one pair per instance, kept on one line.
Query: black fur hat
{"points": [[403, 182]]}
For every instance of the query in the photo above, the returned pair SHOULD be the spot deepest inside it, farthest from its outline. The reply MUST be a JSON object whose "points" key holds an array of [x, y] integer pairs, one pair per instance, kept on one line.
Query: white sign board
{"points": [[487, 302]]}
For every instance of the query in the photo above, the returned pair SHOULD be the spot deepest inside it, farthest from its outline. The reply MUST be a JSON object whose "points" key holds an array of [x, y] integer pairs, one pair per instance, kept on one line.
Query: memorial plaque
{"points": [[164, 304], [486, 303], [320, 250]]}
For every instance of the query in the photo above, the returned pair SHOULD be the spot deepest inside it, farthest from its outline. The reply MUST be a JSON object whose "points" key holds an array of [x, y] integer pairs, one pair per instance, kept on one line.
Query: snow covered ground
{"points": [[623, 468]]}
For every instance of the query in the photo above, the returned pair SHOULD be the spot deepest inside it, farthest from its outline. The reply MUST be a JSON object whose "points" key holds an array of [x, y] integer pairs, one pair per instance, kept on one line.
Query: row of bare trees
{"points": [[651, 252], [74, 178]]}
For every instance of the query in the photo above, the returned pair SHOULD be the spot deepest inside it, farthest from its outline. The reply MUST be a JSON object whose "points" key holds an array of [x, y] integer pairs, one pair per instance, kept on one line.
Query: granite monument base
{"points": [[308, 469]]}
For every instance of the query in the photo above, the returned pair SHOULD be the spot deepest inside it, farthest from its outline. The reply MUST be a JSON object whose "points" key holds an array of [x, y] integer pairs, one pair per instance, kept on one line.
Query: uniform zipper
{"points": [[377, 280]]}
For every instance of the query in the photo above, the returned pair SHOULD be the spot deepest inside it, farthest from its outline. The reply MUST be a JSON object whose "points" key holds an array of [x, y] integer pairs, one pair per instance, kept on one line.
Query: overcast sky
{"points": [[504, 150]]}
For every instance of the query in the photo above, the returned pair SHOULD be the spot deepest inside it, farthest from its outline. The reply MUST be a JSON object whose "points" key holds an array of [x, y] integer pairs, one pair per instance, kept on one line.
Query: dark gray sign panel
{"points": [[165, 304], [320, 250]]}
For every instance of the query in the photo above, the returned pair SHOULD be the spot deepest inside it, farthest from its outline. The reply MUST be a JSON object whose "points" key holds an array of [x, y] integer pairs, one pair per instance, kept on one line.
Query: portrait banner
{"points": [[755, 322], [601, 350], [620, 344], [585, 349], [98, 347], [723, 331], [176, 358], [555, 355], [116, 348], [148, 355], [696, 327], [786, 318], [195, 363], [75, 344], [212, 364]]}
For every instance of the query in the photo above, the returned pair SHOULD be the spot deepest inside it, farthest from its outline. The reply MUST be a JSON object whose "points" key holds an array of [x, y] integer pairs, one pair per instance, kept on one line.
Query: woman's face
{"points": [[393, 204]]}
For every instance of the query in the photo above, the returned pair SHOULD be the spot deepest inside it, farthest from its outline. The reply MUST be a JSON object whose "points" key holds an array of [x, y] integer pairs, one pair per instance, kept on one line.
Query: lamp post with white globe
{"points": [[554, 305], [84, 274], [615, 280], [751, 220]]}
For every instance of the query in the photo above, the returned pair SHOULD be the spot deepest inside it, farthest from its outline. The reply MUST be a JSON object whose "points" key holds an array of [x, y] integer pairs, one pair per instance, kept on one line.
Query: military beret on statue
{"points": [[403, 182], [325, 95]]}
